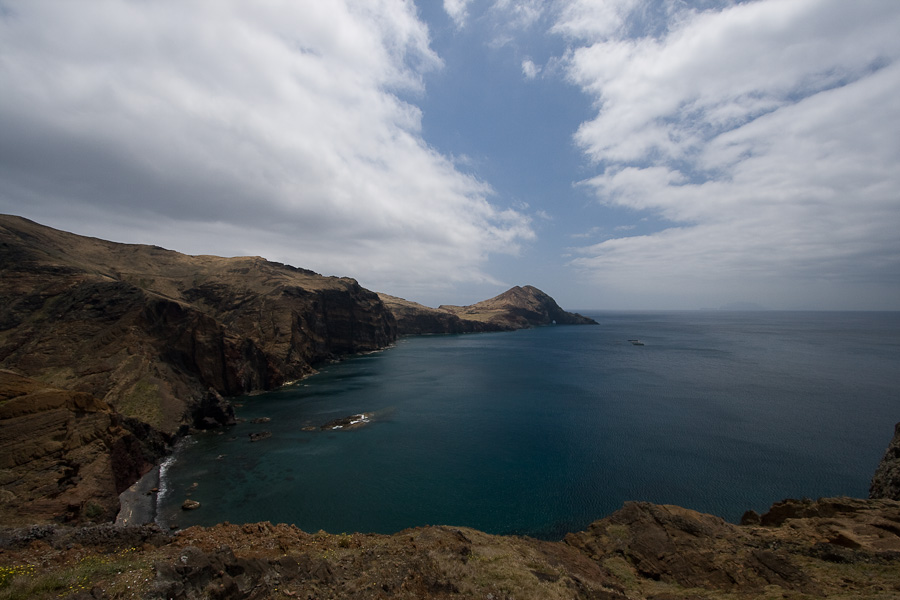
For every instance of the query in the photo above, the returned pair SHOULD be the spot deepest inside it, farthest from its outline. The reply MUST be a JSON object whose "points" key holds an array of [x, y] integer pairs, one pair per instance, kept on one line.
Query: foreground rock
{"points": [[642, 552], [886, 481], [516, 308]]}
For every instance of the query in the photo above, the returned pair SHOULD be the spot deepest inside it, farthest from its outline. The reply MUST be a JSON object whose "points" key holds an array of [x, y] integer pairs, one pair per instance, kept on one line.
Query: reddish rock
{"points": [[886, 481]]}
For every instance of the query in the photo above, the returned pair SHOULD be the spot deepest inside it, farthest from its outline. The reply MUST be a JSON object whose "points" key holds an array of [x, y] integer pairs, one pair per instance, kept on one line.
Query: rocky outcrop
{"points": [[690, 549], [641, 552], [213, 412], [63, 455], [151, 331], [886, 481], [516, 308], [349, 422]]}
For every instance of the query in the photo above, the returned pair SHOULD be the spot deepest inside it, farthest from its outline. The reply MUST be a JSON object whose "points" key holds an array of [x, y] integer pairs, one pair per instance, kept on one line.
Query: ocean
{"points": [[541, 431]]}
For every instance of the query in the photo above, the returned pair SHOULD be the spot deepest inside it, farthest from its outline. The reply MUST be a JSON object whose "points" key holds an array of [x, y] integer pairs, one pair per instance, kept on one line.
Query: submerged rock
{"points": [[260, 435], [190, 505], [350, 422]]}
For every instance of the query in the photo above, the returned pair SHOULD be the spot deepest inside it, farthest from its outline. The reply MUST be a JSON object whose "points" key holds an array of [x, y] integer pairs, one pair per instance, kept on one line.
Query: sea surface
{"points": [[542, 431]]}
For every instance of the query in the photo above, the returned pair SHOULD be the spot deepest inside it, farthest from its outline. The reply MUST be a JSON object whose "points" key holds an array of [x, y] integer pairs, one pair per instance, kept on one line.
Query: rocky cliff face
{"points": [[886, 481], [63, 454], [150, 331], [516, 308]]}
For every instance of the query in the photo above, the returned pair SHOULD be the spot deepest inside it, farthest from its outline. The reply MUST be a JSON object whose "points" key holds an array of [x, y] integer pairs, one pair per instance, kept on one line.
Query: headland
{"points": [[110, 352]]}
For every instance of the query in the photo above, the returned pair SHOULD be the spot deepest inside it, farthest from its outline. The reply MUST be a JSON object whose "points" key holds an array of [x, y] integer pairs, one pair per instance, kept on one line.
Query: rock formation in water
{"points": [[886, 481], [516, 308], [151, 331]]}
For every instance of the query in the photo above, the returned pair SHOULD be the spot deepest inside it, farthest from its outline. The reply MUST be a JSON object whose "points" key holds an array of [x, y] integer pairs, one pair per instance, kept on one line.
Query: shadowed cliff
{"points": [[150, 331]]}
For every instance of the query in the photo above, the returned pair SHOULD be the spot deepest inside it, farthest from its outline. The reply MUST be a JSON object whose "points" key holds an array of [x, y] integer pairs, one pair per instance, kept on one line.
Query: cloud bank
{"points": [[285, 129], [764, 132]]}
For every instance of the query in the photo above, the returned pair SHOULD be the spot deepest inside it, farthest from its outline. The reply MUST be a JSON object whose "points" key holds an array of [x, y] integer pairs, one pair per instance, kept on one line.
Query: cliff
{"points": [[516, 308], [64, 454], [886, 481], [151, 331]]}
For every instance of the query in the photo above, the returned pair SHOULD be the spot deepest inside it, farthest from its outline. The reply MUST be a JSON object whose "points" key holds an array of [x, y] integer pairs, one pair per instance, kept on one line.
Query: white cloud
{"points": [[458, 11], [232, 128], [529, 69], [765, 132], [521, 14], [592, 20]]}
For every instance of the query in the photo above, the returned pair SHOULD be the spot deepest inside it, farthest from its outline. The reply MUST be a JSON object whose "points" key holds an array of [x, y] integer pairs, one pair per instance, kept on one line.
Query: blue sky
{"points": [[618, 154]]}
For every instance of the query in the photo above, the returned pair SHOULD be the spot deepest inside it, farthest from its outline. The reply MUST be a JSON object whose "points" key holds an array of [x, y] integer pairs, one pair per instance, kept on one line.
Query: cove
{"points": [[542, 431]]}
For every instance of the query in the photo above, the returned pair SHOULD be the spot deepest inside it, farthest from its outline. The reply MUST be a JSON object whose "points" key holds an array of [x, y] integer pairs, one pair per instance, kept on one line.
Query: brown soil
{"points": [[850, 549]]}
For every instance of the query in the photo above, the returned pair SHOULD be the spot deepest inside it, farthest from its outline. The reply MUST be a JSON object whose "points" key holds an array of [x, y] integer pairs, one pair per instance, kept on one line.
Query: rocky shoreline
{"points": [[137, 504]]}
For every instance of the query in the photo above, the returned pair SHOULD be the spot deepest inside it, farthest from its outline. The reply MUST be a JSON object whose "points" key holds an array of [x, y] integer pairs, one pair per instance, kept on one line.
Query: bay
{"points": [[542, 431]]}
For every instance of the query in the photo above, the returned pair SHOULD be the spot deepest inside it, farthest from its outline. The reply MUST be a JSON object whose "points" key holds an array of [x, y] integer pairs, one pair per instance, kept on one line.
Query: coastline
{"points": [[137, 504]]}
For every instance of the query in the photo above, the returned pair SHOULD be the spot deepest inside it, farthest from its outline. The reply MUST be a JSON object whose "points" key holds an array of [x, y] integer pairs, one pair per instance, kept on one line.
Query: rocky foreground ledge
{"points": [[830, 548]]}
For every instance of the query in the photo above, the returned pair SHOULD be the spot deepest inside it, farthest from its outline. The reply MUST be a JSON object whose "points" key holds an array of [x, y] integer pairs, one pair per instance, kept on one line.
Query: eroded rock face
{"points": [[64, 456], [151, 331], [886, 481], [691, 549]]}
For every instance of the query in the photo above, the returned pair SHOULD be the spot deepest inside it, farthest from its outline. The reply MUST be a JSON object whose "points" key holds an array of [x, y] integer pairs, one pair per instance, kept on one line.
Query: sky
{"points": [[617, 154]]}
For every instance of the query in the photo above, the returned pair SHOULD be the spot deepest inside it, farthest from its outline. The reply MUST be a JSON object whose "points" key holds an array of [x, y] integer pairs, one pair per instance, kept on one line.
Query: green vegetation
{"points": [[92, 510], [142, 402], [22, 582]]}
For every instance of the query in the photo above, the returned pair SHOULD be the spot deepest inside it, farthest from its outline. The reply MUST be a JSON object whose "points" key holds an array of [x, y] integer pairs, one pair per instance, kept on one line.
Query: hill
{"points": [[516, 308]]}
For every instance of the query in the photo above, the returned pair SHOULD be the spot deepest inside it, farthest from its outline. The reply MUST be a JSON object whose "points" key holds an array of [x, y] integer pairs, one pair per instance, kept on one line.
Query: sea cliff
{"points": [[150, 331], [152, 341]]}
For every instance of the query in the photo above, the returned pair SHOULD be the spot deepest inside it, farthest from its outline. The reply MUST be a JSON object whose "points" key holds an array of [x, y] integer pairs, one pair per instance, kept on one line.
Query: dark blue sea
{"points": [[542, 431]]}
